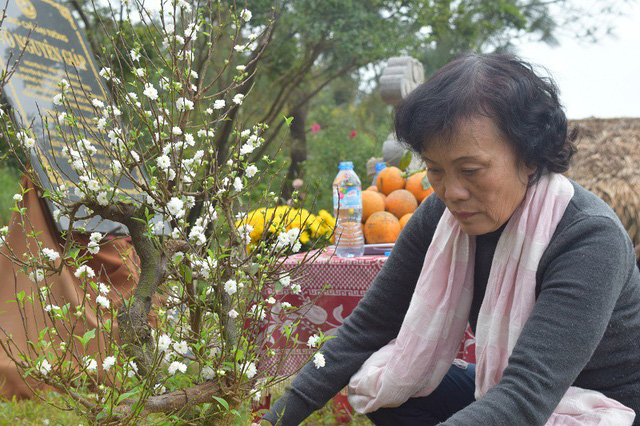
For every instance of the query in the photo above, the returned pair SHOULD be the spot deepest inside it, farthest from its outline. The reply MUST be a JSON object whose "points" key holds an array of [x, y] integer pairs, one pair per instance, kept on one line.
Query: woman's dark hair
{"points": [[524, 107]]}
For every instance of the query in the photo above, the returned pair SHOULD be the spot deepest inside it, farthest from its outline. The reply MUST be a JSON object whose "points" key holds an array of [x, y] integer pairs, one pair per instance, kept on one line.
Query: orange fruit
{"points": [[389, 179], [416, 187], [371, 202], [381, 227], [400, 202], [404, 219], [372, 188]]}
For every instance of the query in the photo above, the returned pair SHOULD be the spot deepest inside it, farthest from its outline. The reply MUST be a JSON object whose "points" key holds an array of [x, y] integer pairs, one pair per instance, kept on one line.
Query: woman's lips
{"points": [[464, 215]]}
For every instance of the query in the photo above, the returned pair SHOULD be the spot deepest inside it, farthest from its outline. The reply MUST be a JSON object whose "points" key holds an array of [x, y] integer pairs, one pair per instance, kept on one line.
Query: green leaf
{"points": [[87, 337], [222, 402], [405, 160], [126, 395], [425, 183], [287, 120], [20, 296]]}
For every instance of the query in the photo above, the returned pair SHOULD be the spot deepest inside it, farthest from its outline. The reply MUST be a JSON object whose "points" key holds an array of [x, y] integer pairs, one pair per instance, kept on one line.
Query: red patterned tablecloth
{"points": [[331, 287]]}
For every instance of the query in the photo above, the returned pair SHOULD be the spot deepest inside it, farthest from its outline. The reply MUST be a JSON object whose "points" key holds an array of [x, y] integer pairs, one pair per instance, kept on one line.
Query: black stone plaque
{"points": [[56, 50]]}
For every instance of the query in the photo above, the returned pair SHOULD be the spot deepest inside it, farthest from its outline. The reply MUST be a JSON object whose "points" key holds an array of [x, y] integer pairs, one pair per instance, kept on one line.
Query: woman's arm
{"points": [[375, 321], [590, 261]]}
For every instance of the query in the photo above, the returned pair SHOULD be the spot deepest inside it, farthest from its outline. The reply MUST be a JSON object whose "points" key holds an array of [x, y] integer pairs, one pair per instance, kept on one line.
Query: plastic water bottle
{"points": [[379, 166], [347, 205]]}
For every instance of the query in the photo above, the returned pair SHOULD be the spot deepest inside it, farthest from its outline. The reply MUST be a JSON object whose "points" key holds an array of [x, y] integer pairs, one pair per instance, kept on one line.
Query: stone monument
{"points": [[402, 75], [53, 48]]}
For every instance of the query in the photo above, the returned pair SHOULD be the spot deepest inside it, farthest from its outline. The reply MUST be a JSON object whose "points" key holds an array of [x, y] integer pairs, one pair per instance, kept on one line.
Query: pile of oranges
{"points": [[388, 205]]}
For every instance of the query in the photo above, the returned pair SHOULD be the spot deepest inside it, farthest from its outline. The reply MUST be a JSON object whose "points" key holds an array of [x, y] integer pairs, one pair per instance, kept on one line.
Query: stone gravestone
{"points": [[402, 75], [56, 49]]}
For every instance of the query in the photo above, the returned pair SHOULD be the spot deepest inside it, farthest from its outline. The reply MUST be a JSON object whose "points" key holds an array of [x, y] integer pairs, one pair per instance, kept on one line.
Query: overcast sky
{"points": [[596, 80]]}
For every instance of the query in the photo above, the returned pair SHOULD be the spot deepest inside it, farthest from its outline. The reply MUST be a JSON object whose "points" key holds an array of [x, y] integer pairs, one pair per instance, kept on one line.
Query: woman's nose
{"points": [[454, 190]]}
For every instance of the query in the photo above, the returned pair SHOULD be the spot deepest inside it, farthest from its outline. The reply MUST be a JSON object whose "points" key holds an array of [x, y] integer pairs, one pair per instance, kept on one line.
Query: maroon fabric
{"points": [[115, 264], [331, 289]]}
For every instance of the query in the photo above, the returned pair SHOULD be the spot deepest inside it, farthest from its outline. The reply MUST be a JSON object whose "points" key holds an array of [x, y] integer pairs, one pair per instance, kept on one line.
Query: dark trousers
{"points": [[452, 395]]}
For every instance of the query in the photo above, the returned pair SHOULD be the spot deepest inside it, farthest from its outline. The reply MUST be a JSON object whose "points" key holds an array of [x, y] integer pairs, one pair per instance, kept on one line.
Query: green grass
{"points": [[37, 412], [9, 186]]}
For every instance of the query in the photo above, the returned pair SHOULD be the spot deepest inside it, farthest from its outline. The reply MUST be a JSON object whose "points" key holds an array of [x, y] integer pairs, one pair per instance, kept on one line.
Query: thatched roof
{"points": [[608, 164]]}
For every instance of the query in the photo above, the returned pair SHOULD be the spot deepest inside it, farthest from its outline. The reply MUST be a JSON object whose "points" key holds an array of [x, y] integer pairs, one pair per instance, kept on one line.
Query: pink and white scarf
{"points": [[414, 364]]}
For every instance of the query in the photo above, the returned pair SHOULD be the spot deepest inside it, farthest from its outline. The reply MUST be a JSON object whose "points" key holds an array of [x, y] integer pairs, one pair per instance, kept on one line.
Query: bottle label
{"points": [[348, 197]]}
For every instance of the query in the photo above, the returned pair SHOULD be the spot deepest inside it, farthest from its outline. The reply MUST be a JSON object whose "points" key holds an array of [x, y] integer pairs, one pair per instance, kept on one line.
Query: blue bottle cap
{"points": [[380, 166], [387, 253], [346, 165]]}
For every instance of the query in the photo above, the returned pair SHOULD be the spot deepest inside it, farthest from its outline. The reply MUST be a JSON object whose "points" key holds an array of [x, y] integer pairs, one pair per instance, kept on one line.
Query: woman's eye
{"points": [[470, 171]]}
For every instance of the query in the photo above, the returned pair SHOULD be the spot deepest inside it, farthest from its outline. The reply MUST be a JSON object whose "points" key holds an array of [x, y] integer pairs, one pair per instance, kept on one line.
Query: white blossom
{"points": [[177, 366], [285, 280], [181, 347], [103, 288], [84, 271], [133, 369], [237, 184], [231, 287], [102, 198], [219, 104], [93, 185], [176, 130], [208, 373], [108, 362], [247, 148], [233, 313], [102, 123], [43, 367], [296, 289], [97, 103], [93, 248], [57, 99], [184, 104], [163, 162], [50, 254], [176, 207], [251, 370], [197, 235], [135, 56], [237, 99], [313, 341], [164, 341], [90, 364], [106, 73], [251, 171], [36, 276], [318, 360], [241, 67], [17, 197], [259, 312], [139, 72], [4, 231], [150, 91], [246, 15], [103, 301]]}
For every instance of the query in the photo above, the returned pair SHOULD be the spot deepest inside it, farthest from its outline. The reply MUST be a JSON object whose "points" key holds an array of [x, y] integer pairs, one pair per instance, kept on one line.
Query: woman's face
{"points": [[477, 174]]}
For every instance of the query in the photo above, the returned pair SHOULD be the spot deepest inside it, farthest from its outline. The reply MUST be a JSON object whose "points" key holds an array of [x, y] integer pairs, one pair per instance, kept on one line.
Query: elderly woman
{"points": [[541, 269]]}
